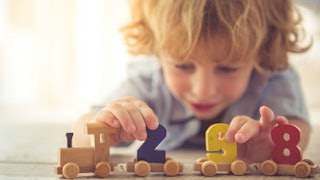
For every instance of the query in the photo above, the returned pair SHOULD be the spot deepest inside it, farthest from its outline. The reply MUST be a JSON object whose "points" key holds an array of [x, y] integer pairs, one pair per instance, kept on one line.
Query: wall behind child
{"points": [[308, 64], [57, 57], [59, 53]]}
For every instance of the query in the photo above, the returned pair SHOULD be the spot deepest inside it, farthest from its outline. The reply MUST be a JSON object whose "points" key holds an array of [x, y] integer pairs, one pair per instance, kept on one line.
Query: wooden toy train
{"points": [[96, 159], [73, 161]]}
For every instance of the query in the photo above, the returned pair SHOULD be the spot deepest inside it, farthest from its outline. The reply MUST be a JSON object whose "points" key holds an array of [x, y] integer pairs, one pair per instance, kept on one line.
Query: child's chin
{"points": [[204, 117]]}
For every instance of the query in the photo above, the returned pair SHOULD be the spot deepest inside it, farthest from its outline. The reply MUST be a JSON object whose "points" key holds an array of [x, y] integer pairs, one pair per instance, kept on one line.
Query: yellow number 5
{"points": [[218, 149]]}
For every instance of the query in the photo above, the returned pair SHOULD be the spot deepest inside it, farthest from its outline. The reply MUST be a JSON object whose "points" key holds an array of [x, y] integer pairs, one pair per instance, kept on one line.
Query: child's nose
{"points": [[204, 86]]}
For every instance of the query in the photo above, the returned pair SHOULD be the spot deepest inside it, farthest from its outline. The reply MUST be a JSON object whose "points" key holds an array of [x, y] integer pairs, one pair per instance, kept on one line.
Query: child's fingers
{"points": [[241, 129], [120, 136], [250, 129], [267, 118], [234, 127], [282, 120], [125, 137], [148, 115], [117, 112], [107, 117], [138, 120], [131, 114], [142, 115]]}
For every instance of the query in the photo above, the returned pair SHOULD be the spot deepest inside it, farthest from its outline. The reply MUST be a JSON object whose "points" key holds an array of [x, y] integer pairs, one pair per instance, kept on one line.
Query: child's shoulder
{"points": [[145, 72], [288, 75]]}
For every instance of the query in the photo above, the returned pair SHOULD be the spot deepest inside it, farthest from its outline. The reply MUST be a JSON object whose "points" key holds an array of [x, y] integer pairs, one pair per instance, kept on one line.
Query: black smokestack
{"points": [[69, 139]]}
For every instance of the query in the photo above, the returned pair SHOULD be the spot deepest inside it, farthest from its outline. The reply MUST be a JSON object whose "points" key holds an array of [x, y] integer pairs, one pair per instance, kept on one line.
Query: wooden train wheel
{"points": [[142, 168], [102, 169], [302, 169], [70, 170], [209, 168], [171, 168], [269, 168], [238, 167]]}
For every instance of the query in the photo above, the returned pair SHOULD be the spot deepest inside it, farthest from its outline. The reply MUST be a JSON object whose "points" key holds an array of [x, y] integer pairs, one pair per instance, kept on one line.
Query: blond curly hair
{"points": [[268, 29]]}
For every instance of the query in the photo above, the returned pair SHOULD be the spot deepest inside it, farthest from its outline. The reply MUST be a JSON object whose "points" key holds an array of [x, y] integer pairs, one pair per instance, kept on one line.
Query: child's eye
{"points": [[184, 67], [227, 69]]}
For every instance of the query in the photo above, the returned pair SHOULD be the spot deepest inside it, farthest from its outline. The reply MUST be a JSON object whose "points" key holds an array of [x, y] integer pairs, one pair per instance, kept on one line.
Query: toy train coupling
{"points": [[122, 167], [254, 167]]}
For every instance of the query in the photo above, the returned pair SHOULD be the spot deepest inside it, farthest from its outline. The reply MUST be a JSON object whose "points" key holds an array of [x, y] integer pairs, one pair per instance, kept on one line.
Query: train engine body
{"points": [[75, 160]]}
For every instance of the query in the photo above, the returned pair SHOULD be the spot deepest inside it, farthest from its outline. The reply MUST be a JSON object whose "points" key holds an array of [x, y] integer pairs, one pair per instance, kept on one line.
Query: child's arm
{"points": [[254, 137], [129, 115]]}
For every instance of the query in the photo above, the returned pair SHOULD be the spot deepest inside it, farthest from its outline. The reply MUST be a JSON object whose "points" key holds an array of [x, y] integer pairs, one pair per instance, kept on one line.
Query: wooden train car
{"points": [[143, 168], [221, 155], [151, 160], [302, 169], [209, 168], [75, 160], [286, 155]]}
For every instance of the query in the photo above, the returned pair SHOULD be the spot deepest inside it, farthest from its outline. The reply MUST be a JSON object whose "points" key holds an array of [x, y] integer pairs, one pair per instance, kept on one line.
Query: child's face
{"points": [[204, 86]]}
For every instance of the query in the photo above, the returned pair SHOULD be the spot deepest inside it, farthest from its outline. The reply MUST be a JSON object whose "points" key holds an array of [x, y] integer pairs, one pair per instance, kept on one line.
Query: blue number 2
{"points": [[147, 150]]}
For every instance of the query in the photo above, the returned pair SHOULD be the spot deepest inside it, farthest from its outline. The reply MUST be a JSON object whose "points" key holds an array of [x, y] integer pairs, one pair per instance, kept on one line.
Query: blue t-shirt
{"points": [[280, 91]]}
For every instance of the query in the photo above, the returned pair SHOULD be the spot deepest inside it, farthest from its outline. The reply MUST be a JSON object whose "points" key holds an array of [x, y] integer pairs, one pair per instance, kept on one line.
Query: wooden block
{"points": [[101, 132], [102, 154], [72, 161], [98, 128], [83, 156]]}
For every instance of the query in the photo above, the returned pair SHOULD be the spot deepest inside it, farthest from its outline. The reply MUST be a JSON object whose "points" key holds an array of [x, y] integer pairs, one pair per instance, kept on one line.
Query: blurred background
{"points": [[57, 57]]}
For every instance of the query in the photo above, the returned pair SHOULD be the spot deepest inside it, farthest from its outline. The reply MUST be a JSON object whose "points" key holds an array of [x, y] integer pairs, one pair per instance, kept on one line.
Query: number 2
{"points": [[147, 150], [218, 149]]}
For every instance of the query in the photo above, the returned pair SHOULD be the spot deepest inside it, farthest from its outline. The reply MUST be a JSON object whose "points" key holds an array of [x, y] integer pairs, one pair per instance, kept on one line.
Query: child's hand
{"points": [[130, 116], [254, 137]]}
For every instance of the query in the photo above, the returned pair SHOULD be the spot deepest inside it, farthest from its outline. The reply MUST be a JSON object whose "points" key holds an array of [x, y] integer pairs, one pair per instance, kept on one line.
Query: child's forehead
{"points": [[214, 50], [204, 60], [211, 51]]}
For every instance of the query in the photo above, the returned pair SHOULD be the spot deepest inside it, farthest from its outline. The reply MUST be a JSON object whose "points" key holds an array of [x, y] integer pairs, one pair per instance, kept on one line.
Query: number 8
{"points": [[283, 144]]}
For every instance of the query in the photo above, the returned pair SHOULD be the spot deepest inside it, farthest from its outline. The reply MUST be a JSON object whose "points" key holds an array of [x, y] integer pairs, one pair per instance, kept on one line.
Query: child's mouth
{"points": [[202, 107]]}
